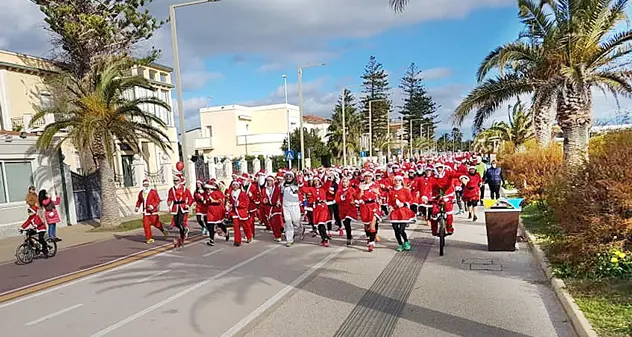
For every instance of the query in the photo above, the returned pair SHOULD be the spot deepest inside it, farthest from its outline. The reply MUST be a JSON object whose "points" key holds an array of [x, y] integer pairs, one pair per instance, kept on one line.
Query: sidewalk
{"points": [[75, 235]]}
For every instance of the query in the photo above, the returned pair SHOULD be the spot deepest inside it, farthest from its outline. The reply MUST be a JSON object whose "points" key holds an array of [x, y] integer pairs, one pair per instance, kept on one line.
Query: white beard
{"points": [[262, 180]]}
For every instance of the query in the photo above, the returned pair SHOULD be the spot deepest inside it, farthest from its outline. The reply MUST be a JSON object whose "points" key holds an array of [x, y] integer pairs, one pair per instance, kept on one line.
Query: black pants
{"points": [[347, 223], [201, 220], [494, 190], [41, 239], [400, 232], [414, 208], [333, 212], [210, 227], [322, 230], [310, 220], [370, 234], [178, 221]]}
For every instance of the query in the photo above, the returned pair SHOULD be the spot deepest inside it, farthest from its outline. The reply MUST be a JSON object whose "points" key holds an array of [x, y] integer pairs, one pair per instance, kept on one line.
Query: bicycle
{"points": [[31, 247], [441, 220]]}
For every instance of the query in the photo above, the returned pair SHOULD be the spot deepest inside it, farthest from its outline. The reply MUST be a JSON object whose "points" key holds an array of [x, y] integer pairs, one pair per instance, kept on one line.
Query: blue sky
{"points": [[235, 51]]}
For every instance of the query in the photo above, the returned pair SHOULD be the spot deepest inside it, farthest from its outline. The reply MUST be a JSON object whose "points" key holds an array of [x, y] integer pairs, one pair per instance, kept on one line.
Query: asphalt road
{"points": [[266, 289]]}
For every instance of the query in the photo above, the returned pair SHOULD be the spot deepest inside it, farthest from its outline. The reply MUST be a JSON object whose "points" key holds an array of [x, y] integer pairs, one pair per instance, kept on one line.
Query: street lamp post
{"points": [[371, 125], [410, 134], [344, 130], [246, 139], [289, 124], [300, 108], [176, 66]]}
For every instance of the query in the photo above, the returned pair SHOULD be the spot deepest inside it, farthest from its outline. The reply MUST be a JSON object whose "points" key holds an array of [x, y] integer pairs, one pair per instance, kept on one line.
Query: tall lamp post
{"points": [[176, 66], [371, 124], [410, 134], [289, 124], [344, 129], [300, 108]]}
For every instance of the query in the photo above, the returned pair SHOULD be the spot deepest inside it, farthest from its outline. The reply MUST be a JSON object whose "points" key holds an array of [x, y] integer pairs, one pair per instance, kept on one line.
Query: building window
{"points": [[163, 77], [152, 75], [128, 172], [15, 177], [46, 101], [209, 131]]}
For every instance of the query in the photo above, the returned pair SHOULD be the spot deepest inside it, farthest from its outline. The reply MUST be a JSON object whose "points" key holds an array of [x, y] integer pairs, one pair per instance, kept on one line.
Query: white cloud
{"points": [[192, 108], [198, 79], [436, 73]]}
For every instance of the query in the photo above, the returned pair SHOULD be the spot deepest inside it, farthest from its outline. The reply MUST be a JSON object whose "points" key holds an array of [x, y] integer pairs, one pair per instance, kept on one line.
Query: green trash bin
{"points": [[502, 228]]}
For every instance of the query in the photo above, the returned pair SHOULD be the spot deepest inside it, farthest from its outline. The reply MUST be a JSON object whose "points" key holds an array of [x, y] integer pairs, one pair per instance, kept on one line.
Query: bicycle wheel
{"points": [[52, 247], [441, 235], [24, 254]]}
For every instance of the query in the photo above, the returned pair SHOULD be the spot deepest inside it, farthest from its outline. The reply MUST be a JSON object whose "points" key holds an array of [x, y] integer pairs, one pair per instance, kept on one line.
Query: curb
{"points": [[59, 280], [580, 324]]}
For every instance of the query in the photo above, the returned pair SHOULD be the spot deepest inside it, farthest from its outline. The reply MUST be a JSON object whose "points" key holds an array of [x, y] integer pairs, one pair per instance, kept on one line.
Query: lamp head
{"points": [[284, 76]]}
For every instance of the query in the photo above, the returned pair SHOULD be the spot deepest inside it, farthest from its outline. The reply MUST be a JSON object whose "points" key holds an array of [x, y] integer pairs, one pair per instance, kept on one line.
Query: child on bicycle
{"points": [[34, 224]]}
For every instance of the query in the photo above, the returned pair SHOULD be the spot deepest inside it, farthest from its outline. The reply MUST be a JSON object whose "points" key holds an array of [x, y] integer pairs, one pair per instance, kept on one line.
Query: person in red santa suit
{"points": [[370, 213], [271, 205], [347, 208], [239, 204], [148, 201], [424, 186], [260, 184], [399, 201], [442, 186], [34, 225], [215, 202], [200, 205], [472, 182], [252, 191], [179, 200], [317, 199]]}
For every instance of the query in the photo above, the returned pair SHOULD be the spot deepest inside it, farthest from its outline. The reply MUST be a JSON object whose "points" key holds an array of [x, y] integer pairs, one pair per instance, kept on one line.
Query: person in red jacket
{"points": [[200, 205], [471, 192], [399, 201], [370, 212], [215, 202], [318, 201], [347, 208], [271, 205], [424, 186], [34, 224], [252, 191], [179, 200], [442, 186], [148, 201], [239, 203]]}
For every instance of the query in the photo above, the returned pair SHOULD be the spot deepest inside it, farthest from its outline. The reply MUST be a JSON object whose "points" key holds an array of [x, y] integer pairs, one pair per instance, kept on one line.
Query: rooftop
{"points": [[313, 119]]}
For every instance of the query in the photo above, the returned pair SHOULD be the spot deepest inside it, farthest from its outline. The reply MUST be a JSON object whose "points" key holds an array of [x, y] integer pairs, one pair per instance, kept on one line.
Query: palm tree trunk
{"points": [[109, 205], [543, 125], [574, 118]]}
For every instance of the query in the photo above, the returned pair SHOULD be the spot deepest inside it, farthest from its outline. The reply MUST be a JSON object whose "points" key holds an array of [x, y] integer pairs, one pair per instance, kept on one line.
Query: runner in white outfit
{"points": [[291, 208]]}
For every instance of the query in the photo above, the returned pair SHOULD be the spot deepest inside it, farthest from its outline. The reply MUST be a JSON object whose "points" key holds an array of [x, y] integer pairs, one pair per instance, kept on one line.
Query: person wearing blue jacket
{"points": [[494, 179]]}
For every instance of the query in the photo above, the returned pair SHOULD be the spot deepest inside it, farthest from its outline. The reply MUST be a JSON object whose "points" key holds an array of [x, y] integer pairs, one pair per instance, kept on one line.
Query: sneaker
{"points": [[289, 244], [341, 232], [469, 215], [474, 218], [326, 243], [249, 241], [164, 232], [204, 231], [186, 233], [407, 246], [348, 242], [236, 244], [400, 248], [57, 240], [371, 247], [277, 239], [322, 243], [303, 234], [150, 241], [211, 243], [227, 236]]}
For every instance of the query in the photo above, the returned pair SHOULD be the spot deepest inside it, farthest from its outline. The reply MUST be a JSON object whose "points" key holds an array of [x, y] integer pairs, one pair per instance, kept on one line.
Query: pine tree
{"points": [[418, 106], [353, 122], [375, 90]]}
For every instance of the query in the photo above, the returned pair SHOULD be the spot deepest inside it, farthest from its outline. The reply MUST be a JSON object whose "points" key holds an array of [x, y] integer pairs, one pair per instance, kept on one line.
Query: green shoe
{"points": [[400, 248], [407, 246]]}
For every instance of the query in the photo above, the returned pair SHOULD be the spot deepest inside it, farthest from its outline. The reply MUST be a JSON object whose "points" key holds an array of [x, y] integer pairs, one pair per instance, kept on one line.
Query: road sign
{"points": [[298, 155], [289, 155]]}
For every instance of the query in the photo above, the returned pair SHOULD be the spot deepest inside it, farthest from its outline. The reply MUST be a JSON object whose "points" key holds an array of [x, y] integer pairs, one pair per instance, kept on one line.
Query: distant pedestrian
{"points": [[481, 168], [51, 216], [31, 197], [494, 179], [148, 202]]}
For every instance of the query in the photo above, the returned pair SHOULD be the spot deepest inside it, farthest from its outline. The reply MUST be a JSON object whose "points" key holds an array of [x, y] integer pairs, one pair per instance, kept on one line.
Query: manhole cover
{"points": [[490, 267], [478, 261]]}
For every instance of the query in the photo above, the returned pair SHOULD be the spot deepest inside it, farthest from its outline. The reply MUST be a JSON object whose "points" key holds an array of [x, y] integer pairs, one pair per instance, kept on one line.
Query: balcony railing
{"points": [[204, 143], [23, 123]]}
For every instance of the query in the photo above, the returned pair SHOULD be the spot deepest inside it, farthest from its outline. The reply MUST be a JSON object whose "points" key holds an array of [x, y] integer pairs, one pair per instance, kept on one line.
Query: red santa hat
{"points": [[398, 177], [367, 173], [261, 173], [145, 182], [472, 168], [464, 179]]}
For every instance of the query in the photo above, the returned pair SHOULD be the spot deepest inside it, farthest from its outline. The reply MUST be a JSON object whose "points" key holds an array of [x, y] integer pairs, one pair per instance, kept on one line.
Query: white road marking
{"points": [[61, 286], [55, 314], [213, 252], [274, 299], [152, 276], [180, 294]]}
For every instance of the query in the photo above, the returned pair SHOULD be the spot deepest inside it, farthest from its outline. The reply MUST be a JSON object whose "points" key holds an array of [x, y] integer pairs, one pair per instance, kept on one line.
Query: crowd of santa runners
{"points": [[325, 201]]}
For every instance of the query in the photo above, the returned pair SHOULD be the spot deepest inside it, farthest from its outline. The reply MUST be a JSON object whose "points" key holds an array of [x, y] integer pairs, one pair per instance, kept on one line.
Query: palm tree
{"points": [[571, 51], [485, 140], [353, 122], [398, 5], [95, 113], [519, 129]]}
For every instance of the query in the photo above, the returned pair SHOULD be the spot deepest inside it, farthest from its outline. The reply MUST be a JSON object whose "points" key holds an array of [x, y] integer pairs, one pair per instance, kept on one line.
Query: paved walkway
{"points": [[266, 289]]}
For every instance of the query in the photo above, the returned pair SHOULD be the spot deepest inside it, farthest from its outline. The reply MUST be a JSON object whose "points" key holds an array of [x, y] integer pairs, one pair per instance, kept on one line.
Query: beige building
{"points": [[23, 92], [236, 130]]}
